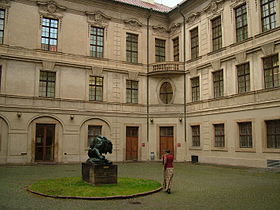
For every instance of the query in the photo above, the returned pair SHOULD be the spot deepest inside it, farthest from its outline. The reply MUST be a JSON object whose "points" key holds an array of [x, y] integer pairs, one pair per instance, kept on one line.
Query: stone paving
{"points": [[195, 187]]}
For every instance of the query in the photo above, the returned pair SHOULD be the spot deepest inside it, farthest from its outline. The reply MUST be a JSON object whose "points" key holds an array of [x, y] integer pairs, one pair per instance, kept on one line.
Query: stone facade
{"points": [[72, 114]]}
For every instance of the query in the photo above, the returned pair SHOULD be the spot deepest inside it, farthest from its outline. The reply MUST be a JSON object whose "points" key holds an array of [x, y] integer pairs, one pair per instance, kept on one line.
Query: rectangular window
{"points": [[96, 42], [217, 33], [2, 25], [241, 23], [0, 77], [195, 136], [243, 77], [131, 48], [219, 135], [47, 84], [194, 43], [218, 81], [245, 135], [49, 34], [93, 131], [271, 71], [273, 134], [160, 50], [268, 13], [131, 91], [195, 89], [95, 88], [176, 49]]}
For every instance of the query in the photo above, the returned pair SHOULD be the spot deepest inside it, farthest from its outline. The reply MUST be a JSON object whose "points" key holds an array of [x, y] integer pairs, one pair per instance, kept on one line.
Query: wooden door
{"points": [[131, 143], [166, 140], [44, 145]]}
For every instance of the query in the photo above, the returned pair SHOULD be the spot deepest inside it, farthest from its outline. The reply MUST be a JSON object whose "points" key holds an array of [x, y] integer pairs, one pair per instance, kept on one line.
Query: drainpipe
{"points": [[148, 81], [185, 94]]}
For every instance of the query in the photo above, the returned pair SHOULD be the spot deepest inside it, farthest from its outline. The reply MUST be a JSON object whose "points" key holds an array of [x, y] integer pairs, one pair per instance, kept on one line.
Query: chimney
{"points": [[149, 1]]}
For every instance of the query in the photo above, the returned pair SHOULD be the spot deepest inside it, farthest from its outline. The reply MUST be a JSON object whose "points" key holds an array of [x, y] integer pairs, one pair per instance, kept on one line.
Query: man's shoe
{"points": [[168, 191]]}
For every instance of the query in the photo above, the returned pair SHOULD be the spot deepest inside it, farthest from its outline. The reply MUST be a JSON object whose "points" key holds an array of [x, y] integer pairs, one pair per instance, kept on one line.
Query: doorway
{"points": [[166, 140], [131, 143]]}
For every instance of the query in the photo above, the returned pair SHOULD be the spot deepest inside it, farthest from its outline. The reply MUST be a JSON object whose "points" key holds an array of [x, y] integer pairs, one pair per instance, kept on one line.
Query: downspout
{"points": [[148, 81], [185, 85]]}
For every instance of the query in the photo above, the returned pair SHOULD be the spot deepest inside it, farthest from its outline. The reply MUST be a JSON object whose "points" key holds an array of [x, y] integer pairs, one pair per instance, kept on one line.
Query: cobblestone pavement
{"points": [[195, 187]]}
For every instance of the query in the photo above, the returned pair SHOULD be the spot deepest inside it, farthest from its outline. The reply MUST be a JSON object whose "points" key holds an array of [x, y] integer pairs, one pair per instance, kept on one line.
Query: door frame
{"points": [[158, 138], [140, 136], [137, 152]]}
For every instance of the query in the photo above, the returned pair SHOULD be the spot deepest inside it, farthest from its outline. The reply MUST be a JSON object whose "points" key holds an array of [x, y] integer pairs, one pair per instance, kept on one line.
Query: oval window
{"points": [[166, 93]]}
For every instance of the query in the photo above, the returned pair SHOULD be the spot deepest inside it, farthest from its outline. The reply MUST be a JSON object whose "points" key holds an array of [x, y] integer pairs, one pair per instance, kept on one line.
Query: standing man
{"points": [[168, 170]]}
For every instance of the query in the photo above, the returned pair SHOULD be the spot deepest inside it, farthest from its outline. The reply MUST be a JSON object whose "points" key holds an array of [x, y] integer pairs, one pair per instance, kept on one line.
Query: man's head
{"points": [[167, 151]]}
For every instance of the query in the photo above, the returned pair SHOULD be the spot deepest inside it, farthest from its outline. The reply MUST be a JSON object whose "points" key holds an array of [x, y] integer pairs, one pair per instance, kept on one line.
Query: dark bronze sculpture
{"points": [[100, 145]]}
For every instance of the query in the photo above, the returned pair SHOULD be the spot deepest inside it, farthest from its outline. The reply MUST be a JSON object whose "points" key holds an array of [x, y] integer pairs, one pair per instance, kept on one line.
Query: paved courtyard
{"points": [[195, 187]]}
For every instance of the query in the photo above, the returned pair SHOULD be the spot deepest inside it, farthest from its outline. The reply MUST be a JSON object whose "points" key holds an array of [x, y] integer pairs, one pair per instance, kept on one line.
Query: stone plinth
{"points": [[99, 174]]}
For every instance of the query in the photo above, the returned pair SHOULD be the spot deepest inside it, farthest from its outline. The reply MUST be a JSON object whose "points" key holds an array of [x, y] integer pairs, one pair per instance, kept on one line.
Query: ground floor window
{"points": [[273, 133], [93, 131], [245, 135], [196, 136], [219, 135]]}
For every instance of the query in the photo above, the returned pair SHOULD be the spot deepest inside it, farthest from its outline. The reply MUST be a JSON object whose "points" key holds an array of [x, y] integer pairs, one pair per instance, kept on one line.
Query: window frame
{"points": [[276, 134], [244, 23], [217, 37], [270, 15], [96, 46], [94, 133], [93, 97], [222, 136], [47, 46], [195, 88], [195, 136], [3, 19], [194, 40], [129, 47], [176, 49], [248, 136], [273, 73], [130, 90], [243, 77], [47, 83], [219, 83], [160, 48], [164, 96]]}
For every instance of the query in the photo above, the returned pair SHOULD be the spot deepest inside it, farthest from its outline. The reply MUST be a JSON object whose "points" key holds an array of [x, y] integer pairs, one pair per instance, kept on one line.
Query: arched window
{"points": [[166, 93]]}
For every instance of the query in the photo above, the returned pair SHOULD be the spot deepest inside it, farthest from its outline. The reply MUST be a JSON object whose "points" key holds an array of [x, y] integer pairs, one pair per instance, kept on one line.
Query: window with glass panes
{"points": [[219, 140], [273, 134], [96, 42], [166, 93], [195, 136], [0, 77], [216, 33], [268, 14], [2, 25], [131, 91], [195, 89], [241, 23], [131, 48], [194, 43], [47, 84], [49, 34], [218, 83], [160, 50], [95, 88], [176, 49], [243, 77], [93, 131], [245, 135], [271, 71]]}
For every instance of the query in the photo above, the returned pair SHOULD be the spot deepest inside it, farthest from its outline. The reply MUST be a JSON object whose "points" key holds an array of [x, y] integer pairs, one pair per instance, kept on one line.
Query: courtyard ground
{"points": [[195, 187]]}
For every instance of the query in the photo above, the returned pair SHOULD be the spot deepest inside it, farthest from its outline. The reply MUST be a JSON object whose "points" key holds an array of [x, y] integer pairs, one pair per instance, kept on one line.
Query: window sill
{"points": [[195, 148], [267, 32], [222, 149], [250, 150], [241, 42], [266, 150]]}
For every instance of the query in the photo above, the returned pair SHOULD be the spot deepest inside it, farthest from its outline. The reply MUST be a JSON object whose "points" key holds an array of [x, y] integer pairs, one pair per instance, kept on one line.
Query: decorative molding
{"points": [[97, 71], [98, 18], [193, 72], [241, 57], [133, 75], [214, 7], [175, 27], [51, 8], [268, 49], [160, 29], [193, 17], [216, 65], [47, 65], [133, 23]]}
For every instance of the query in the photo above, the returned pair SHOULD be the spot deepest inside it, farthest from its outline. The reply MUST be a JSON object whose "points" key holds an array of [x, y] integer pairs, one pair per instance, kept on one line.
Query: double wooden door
{"points": [[166, 140], [131, 143]]}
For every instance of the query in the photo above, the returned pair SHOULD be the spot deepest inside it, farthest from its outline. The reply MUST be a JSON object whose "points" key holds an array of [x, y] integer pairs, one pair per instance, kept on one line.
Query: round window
{"points": [[166, 93]]}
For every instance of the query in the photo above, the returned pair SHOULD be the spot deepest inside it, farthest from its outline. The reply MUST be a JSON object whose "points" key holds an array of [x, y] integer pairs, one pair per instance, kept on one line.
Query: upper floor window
{"points": [[2, 25], [47, 84], [49, 34], [195, 89], [131, 48], [218, 81], [160, 50], [95, 88], [166, 92], [131, 91], [96, 42], [241, 23], [93, 131], [243, 77], [176, 49], [273, 134], [0, 77], [219, 135], [217, 33], [245, 135], [271, 71], [268, 14], [195, 136], [194, 43]]}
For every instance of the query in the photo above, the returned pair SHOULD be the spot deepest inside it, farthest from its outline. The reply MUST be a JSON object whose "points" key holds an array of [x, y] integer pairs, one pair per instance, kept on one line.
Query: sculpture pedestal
{"points": [[99, 174]]}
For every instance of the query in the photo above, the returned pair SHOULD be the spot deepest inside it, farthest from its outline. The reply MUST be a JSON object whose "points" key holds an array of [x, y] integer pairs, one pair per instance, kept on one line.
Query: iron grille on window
{"points": [[195, 89], [243, 77], [195, 136], [194, 43], [245, 135], [160, 50], [47, 84], [131, 91], [93, 131], [273, 134], [176, 49], [217, 33], [95, 88], [219, 135], [218, 81], [2, 25], [166, 93], [241, 23], [131, 48], [49, 34], [96, 42], [268, 10], [271, 71]]}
